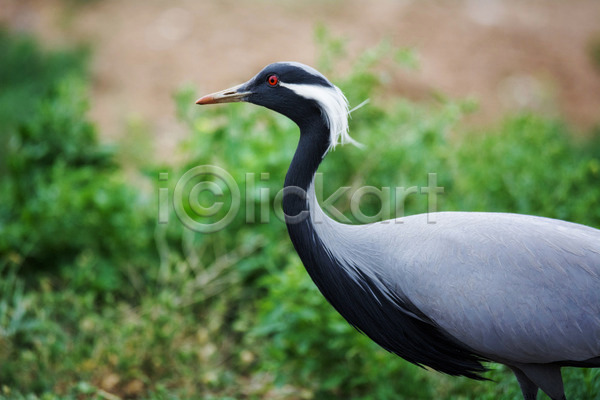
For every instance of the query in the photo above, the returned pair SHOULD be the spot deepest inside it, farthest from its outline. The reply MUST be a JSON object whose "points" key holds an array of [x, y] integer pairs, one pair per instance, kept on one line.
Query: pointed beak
{"points": [[231, 95]]}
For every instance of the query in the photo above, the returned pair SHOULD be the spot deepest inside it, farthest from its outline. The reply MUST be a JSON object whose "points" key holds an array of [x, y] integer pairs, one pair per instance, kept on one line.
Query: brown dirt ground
{"points": [[509, 54]]}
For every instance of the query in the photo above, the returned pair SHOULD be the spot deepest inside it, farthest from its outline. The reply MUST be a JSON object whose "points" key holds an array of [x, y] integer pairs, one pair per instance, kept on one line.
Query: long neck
{"points": [[355, 291], [311, 149], [299, 202]]}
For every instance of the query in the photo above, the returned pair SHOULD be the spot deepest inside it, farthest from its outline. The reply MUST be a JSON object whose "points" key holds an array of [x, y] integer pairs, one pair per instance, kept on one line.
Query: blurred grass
{"points": [[99, 301]]}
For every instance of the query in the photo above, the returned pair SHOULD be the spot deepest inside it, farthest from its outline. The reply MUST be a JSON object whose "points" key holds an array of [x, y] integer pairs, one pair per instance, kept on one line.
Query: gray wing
{"points": [[515, 287]]}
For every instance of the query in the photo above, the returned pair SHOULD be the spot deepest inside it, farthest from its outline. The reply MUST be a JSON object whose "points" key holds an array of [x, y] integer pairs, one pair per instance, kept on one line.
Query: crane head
{"points": [[297, 91]]}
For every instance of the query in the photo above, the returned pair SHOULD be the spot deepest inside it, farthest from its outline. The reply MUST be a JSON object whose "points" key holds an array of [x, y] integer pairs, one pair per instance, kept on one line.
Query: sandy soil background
{"points": [[508, 54]]}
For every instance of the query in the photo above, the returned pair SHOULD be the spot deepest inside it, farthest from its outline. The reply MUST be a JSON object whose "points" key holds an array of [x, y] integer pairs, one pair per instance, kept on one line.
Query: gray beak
{"points": [[230, 95]]}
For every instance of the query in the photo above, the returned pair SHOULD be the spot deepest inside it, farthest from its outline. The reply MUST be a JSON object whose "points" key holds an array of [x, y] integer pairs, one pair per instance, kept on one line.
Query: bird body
{"points": [[508, 286], [472, 287]]}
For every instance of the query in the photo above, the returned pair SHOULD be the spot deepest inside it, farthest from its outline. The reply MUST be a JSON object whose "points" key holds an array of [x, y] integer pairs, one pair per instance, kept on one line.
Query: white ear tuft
{"points": [[334, 108], [336, 112]]}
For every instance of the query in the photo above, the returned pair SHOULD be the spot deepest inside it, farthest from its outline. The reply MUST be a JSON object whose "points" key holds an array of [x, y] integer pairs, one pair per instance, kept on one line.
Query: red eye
{"points": [[272, 80]]}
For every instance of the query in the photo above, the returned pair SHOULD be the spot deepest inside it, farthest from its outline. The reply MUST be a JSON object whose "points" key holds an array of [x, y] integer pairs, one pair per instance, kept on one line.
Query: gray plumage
{"points": [[512, 287]]}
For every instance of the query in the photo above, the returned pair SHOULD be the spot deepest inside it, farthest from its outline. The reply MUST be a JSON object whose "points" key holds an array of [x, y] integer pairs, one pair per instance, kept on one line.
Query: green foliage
{"points": [[62, 204], [97, 300], [531, 166], [27, 74]]}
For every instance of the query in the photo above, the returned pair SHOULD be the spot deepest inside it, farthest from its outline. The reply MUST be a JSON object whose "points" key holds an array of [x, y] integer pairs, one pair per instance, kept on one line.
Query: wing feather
{"points": [[510, 286]]}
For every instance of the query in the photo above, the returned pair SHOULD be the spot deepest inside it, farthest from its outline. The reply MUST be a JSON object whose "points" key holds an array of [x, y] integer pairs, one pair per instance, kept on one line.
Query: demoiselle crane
{"points": [[474, 287]]}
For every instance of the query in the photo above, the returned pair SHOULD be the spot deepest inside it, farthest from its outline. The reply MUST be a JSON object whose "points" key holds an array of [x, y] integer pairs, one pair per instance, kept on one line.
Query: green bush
{"points": [[62, 202], [27, 74], [68, 219], [530, 165]]}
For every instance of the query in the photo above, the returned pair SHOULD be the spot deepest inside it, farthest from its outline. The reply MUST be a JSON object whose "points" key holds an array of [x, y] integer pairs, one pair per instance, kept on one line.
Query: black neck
{"points": [[383, 318], [312, 147]]}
